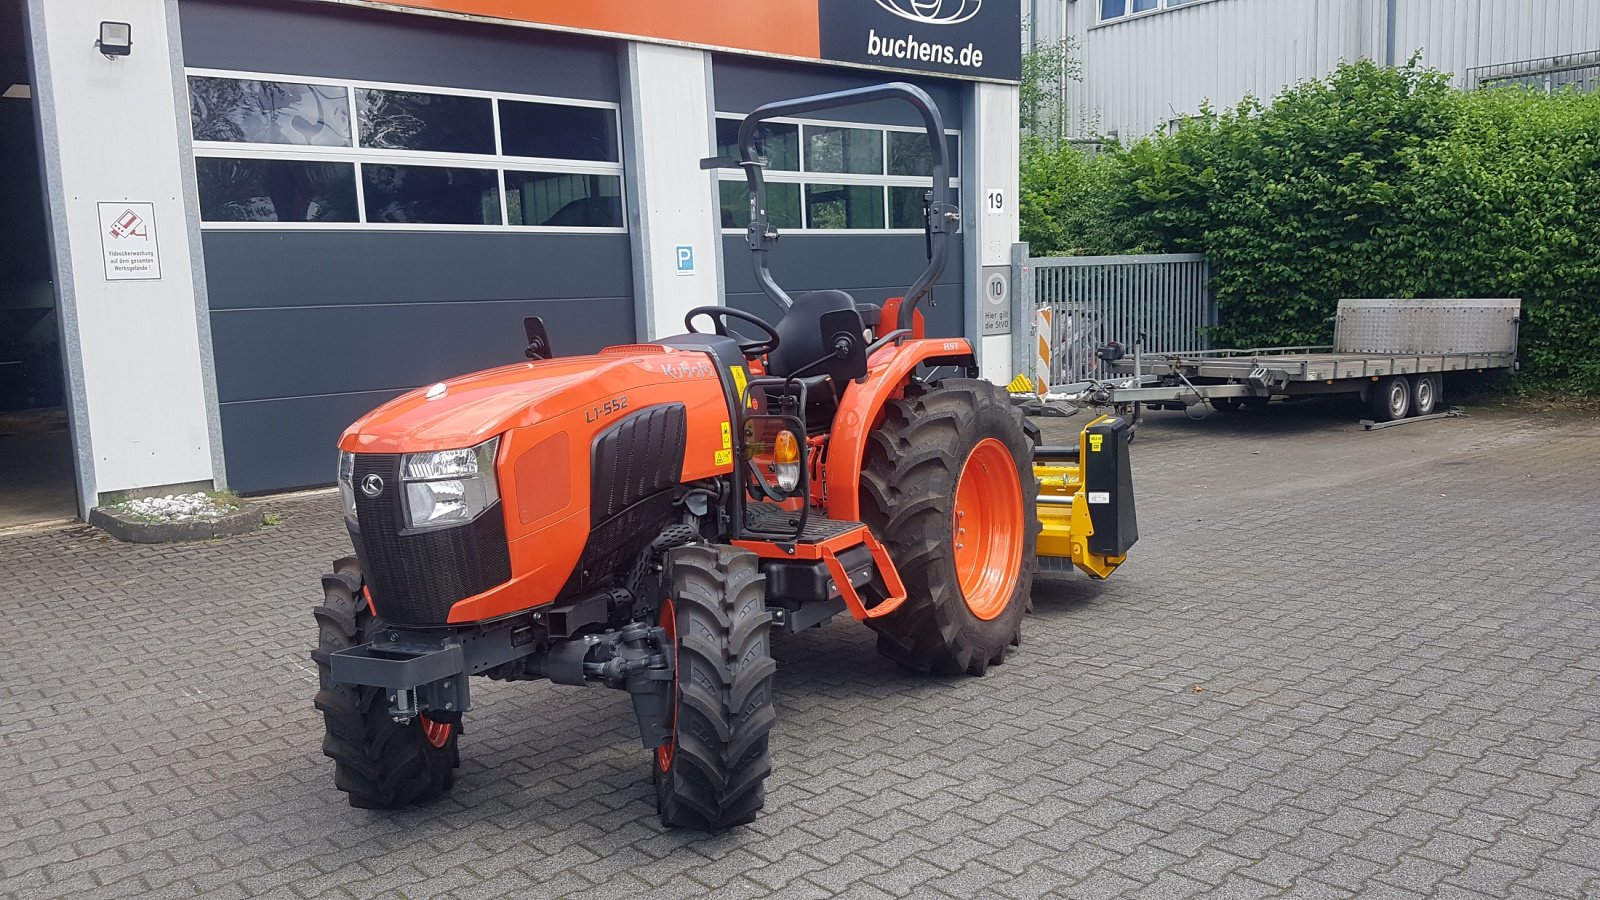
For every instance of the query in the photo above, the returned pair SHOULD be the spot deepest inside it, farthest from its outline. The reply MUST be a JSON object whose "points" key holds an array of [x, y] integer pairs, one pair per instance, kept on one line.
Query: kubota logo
{"points": [[933, 12]]}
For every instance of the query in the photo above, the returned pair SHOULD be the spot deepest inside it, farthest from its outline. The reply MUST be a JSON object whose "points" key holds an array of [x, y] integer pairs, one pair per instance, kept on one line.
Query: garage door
{"points": [[383, 198], [844, 189]]}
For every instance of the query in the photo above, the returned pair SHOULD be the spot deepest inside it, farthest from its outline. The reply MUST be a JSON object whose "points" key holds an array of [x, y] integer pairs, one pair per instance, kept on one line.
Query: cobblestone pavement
{"points": [[1340, 662]]}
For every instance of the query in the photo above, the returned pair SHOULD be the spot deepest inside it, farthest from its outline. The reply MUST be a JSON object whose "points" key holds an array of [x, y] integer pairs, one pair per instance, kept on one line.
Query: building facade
{"points": [[266, 217], [1148, 63]]}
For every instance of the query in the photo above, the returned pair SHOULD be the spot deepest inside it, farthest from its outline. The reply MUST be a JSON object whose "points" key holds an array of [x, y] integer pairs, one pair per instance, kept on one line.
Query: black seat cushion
{"points": [[800, 340]]}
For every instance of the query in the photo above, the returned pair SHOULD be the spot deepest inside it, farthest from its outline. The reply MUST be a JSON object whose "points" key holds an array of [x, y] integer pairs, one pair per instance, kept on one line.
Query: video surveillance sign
{"points": [[973, 38], [128, 241]]}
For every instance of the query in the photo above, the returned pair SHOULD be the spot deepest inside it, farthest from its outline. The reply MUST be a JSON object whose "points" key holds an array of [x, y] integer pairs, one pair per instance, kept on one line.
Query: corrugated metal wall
{"points": [[1140, 74], [1456, 35]]}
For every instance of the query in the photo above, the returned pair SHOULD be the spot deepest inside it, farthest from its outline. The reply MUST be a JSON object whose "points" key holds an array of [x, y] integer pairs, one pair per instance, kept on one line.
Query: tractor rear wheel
{"points": [[948, 487], [710, 774], [380, 763]]}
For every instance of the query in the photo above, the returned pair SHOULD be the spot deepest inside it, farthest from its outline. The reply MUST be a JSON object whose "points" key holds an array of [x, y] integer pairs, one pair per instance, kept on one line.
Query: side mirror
{"points": [[538, 340], [842, 336]]}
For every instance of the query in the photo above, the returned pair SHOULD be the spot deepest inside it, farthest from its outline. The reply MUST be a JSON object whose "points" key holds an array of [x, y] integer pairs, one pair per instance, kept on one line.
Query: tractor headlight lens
{"points": [[347, 487], [449, 487]]}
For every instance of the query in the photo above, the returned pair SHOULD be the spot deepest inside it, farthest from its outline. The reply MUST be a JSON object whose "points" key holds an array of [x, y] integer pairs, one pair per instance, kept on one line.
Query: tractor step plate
{"points": [[769, 519]]}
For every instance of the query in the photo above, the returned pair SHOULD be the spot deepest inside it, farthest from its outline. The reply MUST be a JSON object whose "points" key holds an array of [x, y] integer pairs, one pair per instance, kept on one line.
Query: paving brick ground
{"points": [[1341, 663]]}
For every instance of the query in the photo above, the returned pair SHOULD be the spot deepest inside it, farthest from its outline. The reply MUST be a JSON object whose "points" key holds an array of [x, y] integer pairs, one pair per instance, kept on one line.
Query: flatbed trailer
{"points": [[1393, 353]]}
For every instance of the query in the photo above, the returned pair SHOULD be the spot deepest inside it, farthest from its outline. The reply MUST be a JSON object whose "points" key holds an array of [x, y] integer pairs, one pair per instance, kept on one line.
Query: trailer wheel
{"points": [[1390, 398], [1255, 402], [380, 763], [1227, 404], [710, 774], [1133, 413], [948, 486], [1424, 394]]}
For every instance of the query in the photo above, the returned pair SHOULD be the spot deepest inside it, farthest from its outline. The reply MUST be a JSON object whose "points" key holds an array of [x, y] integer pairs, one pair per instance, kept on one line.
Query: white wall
{"points": [[991, 165], [1143, 72], [110, 133], [666, 111]]}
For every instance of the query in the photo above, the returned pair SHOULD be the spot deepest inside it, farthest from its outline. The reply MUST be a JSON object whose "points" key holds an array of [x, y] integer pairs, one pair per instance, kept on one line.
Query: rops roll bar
{"points": [[941, 216]]}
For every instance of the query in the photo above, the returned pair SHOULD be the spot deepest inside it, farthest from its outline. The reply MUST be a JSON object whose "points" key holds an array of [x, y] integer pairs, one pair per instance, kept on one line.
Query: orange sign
{"points": [[787, 27]]}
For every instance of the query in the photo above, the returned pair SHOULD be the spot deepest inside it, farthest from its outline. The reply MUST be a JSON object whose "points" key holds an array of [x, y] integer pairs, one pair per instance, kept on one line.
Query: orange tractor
{"points": [[650, 516]]}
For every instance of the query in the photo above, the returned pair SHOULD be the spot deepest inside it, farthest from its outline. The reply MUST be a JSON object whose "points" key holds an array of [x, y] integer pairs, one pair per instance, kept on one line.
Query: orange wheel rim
{"points": [[437, 733], [669, 624], [988, 528]]}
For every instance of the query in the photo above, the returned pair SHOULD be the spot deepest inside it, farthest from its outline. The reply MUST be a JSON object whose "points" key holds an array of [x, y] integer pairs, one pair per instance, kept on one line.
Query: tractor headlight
{"points": [[449, 487], [347, 486]]}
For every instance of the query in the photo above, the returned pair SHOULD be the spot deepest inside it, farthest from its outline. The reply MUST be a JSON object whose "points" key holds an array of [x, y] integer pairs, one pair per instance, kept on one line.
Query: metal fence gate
{"points": [[1164, 301]]}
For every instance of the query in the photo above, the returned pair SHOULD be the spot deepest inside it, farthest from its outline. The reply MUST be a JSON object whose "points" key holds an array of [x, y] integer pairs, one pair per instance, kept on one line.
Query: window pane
{"points": [[405, 120], [783, 204], [275, 190], [431, 194], [268, 112], [844, 206], [568, 201], [1144, 5], [908, 154], [905, 206], [780, 143], [558, 132], [1110, 9], [857, 151]]}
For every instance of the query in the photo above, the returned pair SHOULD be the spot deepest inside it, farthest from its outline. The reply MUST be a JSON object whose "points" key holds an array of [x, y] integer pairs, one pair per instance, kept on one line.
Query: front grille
{"points": [[639, 456], [414, 579]]}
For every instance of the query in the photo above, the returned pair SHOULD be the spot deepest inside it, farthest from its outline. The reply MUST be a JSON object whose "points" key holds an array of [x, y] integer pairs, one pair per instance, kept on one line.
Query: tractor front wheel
{"points": [[948, 486], [710, 774], [380, 763]]}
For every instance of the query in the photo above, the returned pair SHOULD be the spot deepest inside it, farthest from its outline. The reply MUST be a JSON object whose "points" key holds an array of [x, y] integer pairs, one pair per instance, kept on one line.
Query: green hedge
{"points": [[1372, 182]]}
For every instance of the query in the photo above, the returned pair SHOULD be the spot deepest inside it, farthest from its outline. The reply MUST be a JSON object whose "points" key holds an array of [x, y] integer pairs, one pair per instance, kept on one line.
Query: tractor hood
{"points": [[470, 409]]}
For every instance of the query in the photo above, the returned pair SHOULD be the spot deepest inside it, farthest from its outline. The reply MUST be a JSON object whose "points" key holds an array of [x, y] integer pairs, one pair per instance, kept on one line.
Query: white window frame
{"points": [[358, 155], [1161, 7], [804, 177]]}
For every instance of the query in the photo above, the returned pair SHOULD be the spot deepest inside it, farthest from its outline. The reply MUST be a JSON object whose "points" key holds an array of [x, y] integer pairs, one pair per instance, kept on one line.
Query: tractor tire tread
{"points": [[725, 715], [913, 463], [379, 763]]}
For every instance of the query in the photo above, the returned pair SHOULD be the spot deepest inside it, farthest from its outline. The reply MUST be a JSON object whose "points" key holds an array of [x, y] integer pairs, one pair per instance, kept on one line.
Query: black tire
{"points": [[380, 763], [713, 776], [1227, 404], [908, 488], [1255, 402], [1426, 392], [1390, 398]]}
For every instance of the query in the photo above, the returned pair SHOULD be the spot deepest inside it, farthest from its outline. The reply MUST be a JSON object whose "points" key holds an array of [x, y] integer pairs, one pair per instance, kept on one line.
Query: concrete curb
{"points": [[135, 531]]}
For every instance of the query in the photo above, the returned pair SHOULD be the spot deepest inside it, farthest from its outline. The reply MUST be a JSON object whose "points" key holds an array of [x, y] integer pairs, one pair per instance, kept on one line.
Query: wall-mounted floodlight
{"points": [[116, 39]]}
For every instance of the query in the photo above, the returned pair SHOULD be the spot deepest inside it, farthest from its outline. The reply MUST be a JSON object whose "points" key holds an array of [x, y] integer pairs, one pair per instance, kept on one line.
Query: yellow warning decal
{"points": [[724, 457], [739, 378], [1095, 440], [727, 436]]}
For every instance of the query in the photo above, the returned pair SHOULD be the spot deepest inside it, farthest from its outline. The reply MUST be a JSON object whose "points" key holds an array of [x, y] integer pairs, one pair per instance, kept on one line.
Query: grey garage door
{"points": [[844, 190], [384, 197]]}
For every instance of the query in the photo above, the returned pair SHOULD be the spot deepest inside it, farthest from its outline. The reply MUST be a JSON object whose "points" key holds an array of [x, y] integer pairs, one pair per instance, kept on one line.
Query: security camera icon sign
{"points": [[933, 12]]}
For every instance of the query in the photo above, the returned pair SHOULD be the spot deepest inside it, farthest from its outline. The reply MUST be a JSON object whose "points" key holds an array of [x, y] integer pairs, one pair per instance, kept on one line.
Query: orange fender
{"points": [[862, 408]]}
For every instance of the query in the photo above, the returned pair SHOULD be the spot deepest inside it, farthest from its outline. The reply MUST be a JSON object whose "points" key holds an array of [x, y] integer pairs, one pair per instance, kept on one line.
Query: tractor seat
{"points": [[800, 340], [801, 345]]}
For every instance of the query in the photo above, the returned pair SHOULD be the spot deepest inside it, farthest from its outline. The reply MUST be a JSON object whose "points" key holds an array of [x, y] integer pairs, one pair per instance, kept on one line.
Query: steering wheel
{"points": [[718, 315]]}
